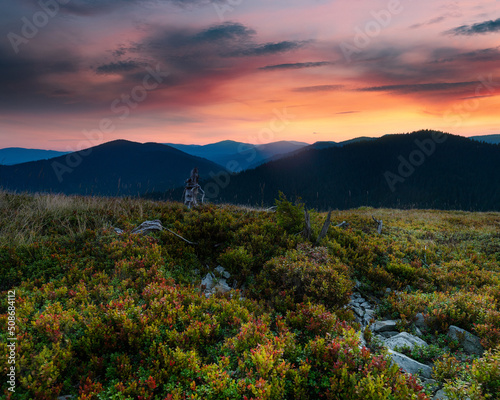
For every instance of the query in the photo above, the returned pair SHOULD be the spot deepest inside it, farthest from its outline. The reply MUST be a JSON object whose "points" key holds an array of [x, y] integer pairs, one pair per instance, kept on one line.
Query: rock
{"points": [[67, 397], [388, 290], [222, 272], [369, 314], [366, 305], [383, 326], [208, 281], [420, 321], [358, 311], [467, 340], [409, 365], [362, 341], [440, 395], [418, 332], [221, 287], [148, 226], [213, 285], [389, 334], [404, 339], [118, 231]]}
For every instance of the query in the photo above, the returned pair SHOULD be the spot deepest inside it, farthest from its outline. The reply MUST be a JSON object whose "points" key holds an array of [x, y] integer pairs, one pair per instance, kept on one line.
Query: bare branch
{"points": [[151, 226], [180, 237], [307, 229], [380, 224], [324, 230]]}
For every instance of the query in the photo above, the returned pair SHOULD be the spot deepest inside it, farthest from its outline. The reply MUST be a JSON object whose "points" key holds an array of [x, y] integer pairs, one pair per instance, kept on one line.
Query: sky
{"points": [[77, 73]]}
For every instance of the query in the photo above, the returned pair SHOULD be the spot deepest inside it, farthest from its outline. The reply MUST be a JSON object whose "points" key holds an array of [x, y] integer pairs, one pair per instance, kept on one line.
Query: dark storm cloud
{"points": [[476, 29], [447, 55], [318, 88], [212, 50], [296, 65], [421, 87], [24, 80], [223, 32], [26, 72], [90, 8], [195, 59], [118, 67], [266, 49]]}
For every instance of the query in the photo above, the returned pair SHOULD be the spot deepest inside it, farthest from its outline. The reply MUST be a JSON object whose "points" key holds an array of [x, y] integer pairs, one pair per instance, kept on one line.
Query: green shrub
{"points": [[305, 274], [289, 216]]}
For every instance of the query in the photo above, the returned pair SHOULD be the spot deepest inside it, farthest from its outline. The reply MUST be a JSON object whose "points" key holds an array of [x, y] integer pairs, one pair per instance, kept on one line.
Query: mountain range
{"points": [[493, 139], [238, 156], [18, 155], [115, 168], [424, 169], [391, 171]]}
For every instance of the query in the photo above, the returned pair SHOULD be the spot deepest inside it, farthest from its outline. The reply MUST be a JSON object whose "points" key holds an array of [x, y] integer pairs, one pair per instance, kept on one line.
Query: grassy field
{"points": [[105, 316]]}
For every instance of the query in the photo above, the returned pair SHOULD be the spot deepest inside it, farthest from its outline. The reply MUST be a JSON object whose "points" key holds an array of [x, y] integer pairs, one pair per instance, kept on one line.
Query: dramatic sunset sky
{"points": [[331, 70]]}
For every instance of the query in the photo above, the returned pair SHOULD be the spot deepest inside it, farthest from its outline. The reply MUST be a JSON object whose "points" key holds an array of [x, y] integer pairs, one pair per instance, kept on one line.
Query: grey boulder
{"points": [[409, 365], [404, 339], [470, 342]]}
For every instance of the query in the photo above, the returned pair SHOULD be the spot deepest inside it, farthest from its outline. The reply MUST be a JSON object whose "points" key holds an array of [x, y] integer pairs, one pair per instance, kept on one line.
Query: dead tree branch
{"points": [[379, 224], [324, 230], [151, 226], [307, 229]]}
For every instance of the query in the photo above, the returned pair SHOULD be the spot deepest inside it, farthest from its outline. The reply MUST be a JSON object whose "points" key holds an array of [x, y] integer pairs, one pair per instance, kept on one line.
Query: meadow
{"points": [[105, 316]]}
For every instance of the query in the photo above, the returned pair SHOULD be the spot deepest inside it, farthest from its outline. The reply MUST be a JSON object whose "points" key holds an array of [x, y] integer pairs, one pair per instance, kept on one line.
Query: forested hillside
{"points": [[423, 169]]}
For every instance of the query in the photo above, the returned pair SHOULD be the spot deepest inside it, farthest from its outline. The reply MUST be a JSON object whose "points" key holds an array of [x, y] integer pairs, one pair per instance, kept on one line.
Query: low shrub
{"points": [[305, 274]]}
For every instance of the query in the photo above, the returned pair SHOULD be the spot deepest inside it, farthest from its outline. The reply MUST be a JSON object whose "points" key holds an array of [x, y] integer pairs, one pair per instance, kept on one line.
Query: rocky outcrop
{"points": [[404, 339], [470, 342], [409, 365], [388, 335], [362, 308], [384, 326], [216, 282]]}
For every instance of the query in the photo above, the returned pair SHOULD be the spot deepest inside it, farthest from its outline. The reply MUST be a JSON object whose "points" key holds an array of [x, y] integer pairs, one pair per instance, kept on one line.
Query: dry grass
{"points": [[24, 218]]}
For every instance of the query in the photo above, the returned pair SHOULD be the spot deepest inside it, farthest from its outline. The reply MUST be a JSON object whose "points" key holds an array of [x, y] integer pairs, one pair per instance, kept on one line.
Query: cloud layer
{"points": [[227, 73], [480, 28]]}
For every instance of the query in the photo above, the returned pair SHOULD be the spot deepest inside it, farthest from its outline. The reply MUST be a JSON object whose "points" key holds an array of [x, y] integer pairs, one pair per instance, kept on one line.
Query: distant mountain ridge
{"points": [[115, 168], [219, 152], [493, 139], [238, 156], [457, 173], [18, 155]]}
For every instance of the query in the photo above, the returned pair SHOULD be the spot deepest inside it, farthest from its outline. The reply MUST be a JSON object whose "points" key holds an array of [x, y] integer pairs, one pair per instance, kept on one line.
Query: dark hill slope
{"points": [[457, 174], [114, 168]]}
